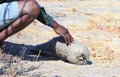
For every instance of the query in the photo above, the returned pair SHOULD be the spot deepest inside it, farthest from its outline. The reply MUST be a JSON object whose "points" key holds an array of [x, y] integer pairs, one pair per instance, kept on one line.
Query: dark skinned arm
{"points": [[62, 31], [59, 29]]}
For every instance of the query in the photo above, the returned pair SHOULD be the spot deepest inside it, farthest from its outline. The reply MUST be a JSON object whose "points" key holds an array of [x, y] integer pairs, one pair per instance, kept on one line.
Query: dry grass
{"points": [[14, 66], [95, 23]]}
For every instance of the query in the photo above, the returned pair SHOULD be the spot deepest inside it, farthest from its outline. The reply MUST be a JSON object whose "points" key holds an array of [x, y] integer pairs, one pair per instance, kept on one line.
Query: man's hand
{"points": [[62, 31]]}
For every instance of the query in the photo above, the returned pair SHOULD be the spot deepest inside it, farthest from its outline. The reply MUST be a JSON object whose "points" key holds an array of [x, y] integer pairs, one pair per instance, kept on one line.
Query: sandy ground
{"points": [[95, 23]]}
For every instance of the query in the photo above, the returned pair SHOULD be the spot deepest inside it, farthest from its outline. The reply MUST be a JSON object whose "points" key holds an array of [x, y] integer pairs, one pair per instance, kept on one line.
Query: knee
{"points": [[30, 7]]}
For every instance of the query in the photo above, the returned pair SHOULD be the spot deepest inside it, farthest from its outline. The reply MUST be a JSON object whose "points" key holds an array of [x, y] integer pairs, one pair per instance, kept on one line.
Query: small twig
{"points": [[10, 49], [24, 50], [38, 55]]}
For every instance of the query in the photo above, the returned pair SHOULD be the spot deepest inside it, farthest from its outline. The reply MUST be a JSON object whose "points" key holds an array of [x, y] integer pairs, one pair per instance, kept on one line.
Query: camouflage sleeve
{"points": [[44, 17]]}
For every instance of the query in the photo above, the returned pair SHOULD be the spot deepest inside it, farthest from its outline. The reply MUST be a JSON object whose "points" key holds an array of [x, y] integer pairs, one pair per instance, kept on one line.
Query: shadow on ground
{"points": [[25, 53]]}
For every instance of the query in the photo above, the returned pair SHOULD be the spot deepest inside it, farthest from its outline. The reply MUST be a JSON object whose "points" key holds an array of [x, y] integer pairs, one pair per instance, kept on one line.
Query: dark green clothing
{"points": [[44, 17]]}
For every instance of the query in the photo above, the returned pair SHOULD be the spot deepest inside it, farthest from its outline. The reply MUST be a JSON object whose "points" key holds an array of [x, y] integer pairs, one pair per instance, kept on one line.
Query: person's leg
{"points": [[28, 11]]}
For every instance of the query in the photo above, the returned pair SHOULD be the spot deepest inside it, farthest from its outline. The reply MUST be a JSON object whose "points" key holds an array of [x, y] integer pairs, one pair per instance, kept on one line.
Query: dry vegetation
{"points": [[95, 23]]}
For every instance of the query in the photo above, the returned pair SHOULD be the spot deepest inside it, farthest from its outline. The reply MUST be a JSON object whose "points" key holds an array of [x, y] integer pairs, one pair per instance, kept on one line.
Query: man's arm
{"points": [[62, 31], [59, 29]]}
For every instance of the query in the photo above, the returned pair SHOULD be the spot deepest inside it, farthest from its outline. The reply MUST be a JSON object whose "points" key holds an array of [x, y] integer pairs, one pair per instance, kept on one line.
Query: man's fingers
{"points": [[68, 39], [64, 33], [71, 39], [65, 38]]}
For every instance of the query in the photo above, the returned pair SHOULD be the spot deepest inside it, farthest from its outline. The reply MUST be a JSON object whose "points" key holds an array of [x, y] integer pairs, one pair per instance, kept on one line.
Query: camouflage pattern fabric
{"points": [[44, 17]]}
